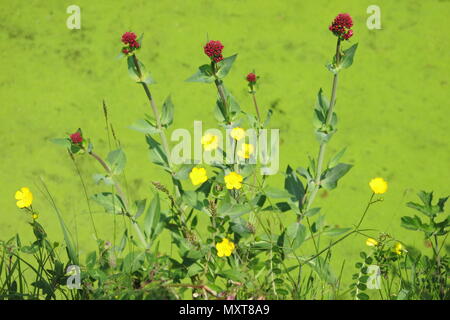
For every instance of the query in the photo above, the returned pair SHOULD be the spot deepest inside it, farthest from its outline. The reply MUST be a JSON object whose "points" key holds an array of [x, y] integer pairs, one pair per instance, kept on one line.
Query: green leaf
{"points": [[232, 274], [324, 136], [362, 296], [117, 161], [311, 212], [194, 199], [70, 246], [347, 59], [323, 270], [225, 66], [140, 207], [411, 223], [112, 203], [167, 113], [268, 117], [322, 103], [91, 259], [64, 142], [426, 211], [204, 74], [233, 105], [123, 241], [141, 75], [279, 206], [234, 210], [293, 185], [133, 262], [152, 217], [441, 203], [334, 174], [273, 192], [157, 154], [335, 160], [183, 171], [295, 234], [144, 126], [241, 228]]}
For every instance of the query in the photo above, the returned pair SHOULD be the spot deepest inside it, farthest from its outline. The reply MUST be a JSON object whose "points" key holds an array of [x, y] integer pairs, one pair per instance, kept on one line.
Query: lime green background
{"points": [[392, 103]]}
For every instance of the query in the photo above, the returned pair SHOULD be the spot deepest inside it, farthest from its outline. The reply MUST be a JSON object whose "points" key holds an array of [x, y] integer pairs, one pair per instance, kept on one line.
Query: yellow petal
{"points": [[18, 195]]}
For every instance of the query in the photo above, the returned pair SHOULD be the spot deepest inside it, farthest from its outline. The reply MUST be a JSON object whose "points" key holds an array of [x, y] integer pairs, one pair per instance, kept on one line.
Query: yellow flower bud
{"points": [[371, 242]]}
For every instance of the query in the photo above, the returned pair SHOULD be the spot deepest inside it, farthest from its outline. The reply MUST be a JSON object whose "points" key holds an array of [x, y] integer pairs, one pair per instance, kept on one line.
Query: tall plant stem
{"points": [[256, 107], [122, 196], [365, 211], [154, 109], [323, 145], [221, 91]]}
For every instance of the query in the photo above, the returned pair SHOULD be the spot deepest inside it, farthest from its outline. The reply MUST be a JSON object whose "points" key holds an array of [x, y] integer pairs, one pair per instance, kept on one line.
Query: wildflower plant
{"points": [[233, 234]]}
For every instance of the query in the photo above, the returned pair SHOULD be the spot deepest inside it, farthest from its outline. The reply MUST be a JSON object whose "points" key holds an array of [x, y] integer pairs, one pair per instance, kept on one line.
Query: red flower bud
{"points": [[348, 34], [341, 26], [76, 138], [251, 77], [213, 49]]}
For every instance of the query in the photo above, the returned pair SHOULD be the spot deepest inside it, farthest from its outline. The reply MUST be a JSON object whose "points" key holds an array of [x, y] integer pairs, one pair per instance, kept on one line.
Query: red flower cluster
{"points": [[76, 138], [341, 26], [213, 49], [129, 39], [251, 77]]}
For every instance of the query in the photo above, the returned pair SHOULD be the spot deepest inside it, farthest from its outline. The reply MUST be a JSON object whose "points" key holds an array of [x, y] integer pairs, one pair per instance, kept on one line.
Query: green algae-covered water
{"points": [[392, 104]]}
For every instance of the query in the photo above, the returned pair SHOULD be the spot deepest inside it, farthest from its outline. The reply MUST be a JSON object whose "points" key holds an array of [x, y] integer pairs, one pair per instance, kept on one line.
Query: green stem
{"points": [[221, 91], [154, 109], [256, 107], [365, 211], [323, 145]]}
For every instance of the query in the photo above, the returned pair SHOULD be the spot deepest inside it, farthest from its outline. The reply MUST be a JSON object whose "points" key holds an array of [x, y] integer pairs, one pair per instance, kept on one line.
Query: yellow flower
{"points": [[398, 248], [225, 248], [233, 180], [237, 133], [198, 176], [378, 185], [210, 142], [246, 150], [24, 197], [35, 215], [371, 242]]}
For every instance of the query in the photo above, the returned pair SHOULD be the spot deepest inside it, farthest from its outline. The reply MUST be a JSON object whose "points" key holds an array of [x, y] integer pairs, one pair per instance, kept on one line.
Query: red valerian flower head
{"points": [[76, 138], [213, 49], [129, 39], [251, 77], [341, 26]]}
